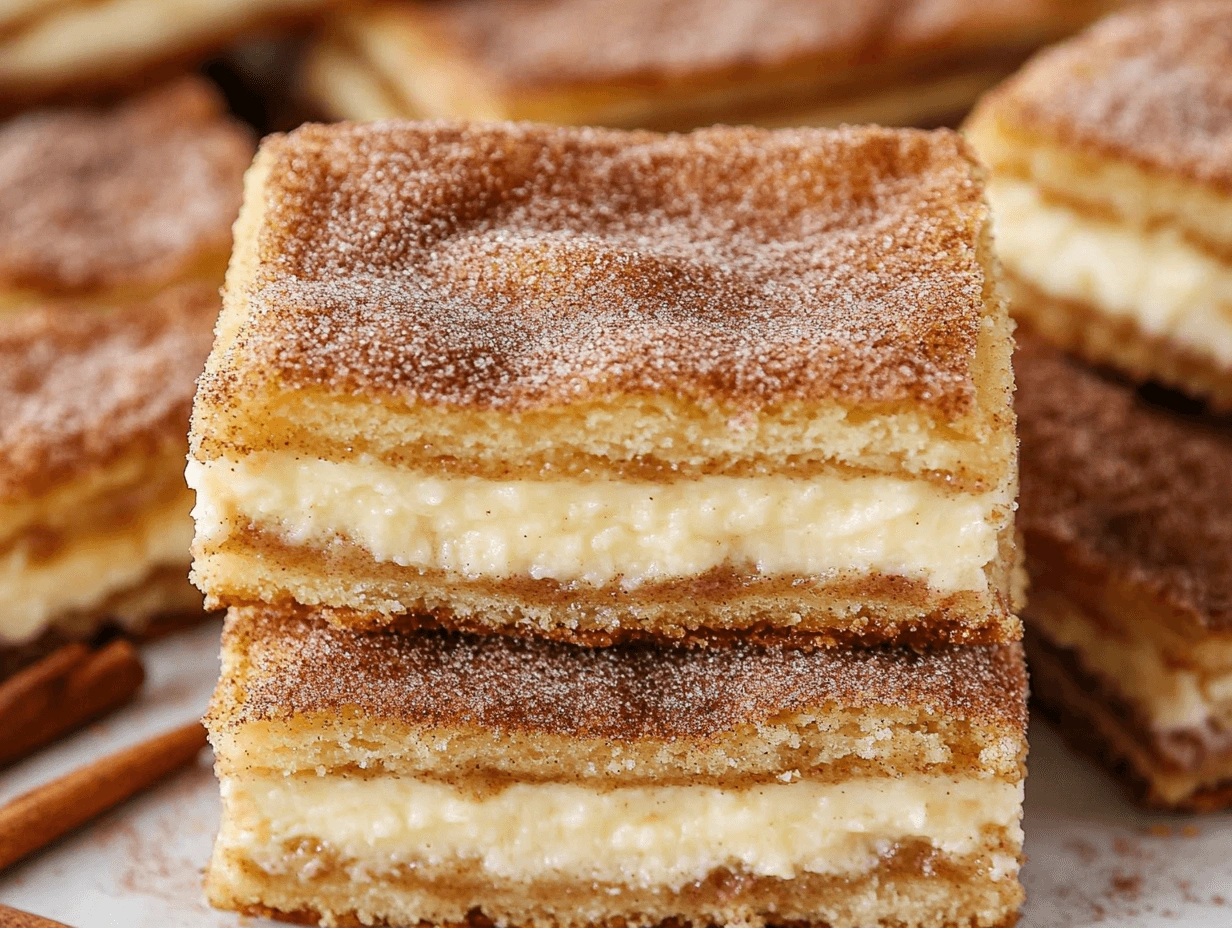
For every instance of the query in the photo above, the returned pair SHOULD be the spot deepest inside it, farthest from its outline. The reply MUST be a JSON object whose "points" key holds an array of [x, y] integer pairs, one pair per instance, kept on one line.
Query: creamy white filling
{"points": [[86, 572], [1167, 286], [1170, 698], [643, 837], [605, 531]]}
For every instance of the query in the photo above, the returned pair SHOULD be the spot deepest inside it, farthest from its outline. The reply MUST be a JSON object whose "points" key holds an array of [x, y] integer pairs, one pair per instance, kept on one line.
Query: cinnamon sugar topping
{"points": [[1152, 86], [299, 664], [1125, 487], [80, 389], [132, 197], [520, 265], [531, 43]]}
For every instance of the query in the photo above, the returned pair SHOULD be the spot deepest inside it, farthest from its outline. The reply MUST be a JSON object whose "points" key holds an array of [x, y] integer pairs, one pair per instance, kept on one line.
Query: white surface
{"points": [[1093, 860]]}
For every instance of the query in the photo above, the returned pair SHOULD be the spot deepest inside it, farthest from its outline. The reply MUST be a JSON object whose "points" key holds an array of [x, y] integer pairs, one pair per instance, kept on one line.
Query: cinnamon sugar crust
{"points": [[129, 198], [79, 391], [538, 43], [624, 693], [1151, 87], [1124, 489], [520, 266]]}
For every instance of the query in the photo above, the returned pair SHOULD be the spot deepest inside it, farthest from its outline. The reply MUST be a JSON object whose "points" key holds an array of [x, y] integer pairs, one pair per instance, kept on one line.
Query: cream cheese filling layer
{"points": [[607, 531], [88, 571], [644, 836], [1165, 285], [1170, 698]]}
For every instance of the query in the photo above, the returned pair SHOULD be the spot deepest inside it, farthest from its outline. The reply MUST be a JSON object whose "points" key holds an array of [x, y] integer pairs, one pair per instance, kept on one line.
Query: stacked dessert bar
{"points": [[617, 528], [1111, 178]]}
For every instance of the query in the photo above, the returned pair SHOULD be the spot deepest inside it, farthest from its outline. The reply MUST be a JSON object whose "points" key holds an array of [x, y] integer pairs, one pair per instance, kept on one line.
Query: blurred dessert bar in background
{"points": [[599, 385], [1111, 157], [1126, 511], [89, 49], [497, 780], [95, 523], [678, 64], [108, 207]]}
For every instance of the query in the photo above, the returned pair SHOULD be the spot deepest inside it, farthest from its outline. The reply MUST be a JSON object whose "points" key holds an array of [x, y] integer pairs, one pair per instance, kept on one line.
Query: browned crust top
{"points": [[79, 389], [127, 197], [546, 43], [1151, 86], [514, 266], [1125, 486], [431, 679]]}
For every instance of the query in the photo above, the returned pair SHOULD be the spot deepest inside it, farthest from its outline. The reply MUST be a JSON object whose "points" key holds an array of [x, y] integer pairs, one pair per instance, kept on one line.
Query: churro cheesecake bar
{"points": [[1111, 186], [598, 384], [379, 777], [95, 522], [106, 207], [90, 48], [1128, 526], [676, 64]]}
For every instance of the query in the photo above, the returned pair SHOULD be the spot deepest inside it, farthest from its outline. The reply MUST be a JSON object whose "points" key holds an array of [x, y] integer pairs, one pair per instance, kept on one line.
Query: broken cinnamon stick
{"points": [[40, 816], [63, 691]]}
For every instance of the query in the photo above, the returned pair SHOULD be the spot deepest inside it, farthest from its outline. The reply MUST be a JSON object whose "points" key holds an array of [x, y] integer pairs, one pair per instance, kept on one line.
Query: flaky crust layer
{"points": [[913, 887], [713, 608], [1151, 87], [582, 306]]}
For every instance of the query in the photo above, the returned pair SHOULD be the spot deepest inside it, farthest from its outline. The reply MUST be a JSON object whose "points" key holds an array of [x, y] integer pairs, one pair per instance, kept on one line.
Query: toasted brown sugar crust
{"points": [[300, 664], [79, 390], [545, 43], [132, 196], [1151, 86], [1123, 487], [519, 266]]}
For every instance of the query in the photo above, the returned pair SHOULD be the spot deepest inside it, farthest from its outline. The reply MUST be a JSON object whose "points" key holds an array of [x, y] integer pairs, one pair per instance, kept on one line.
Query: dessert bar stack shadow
{"points": [[1111, 160], [616, 528]]}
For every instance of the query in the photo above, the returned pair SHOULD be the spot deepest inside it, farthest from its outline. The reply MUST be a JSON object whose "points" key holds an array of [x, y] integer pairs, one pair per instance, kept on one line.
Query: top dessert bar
{"points": [[1111, 158], [601, 384], [110, 206], [672, 64]]}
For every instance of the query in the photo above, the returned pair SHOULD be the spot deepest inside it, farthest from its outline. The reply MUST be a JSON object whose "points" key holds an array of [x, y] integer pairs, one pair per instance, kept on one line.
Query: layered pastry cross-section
{"points": [[379, 777], [1128, 525], [676, 64], [1111, 160], [105, 207], [85, 49], [599, 385], [95, 523]]}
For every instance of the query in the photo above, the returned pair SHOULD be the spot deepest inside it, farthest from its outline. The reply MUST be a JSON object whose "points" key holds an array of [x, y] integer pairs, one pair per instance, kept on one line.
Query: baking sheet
{"points": [[1092, 859]]}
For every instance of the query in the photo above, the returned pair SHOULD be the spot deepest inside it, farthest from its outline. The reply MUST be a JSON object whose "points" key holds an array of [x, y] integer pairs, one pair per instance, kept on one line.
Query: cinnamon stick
{"points": [[44, 814], [16, 918], [63, 691]]}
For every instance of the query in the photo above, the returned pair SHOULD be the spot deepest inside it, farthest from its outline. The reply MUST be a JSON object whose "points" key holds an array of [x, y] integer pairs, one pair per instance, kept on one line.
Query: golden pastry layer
{"points": [[546, 783], [676, 64], [108, 207], [1125, 515], [1112, 193], [83, 49], [95, 523], [613, 376]]}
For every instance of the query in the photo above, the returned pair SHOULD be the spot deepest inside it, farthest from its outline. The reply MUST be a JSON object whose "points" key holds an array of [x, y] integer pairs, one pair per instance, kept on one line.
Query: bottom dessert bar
{"points": [[1127, 517], [407, 778]]}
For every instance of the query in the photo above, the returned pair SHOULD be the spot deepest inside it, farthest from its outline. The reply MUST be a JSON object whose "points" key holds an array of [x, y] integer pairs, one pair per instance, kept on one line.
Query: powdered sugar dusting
{"points": [[517, 265], [79, 389], [300, 664], [123, 198], [1152, 85]]}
